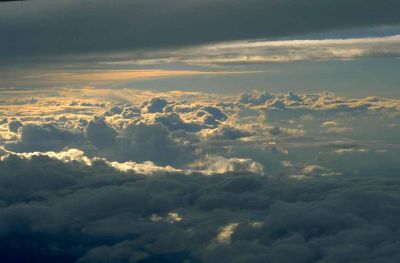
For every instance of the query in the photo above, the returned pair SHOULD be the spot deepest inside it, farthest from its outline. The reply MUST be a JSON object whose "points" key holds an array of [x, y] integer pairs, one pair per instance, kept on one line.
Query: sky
{"points": [[347, 47], [199, 131]]}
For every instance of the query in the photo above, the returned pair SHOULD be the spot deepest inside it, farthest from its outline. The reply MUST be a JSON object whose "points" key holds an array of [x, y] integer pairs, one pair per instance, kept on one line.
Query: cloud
{"points": [[272, 51], [318, 102], [351, 150], [174, 122], [155, 105], [224, 133], [315, 170], [103, 77], [240, 132], [179, 23], [14, 125], [142, 142], [55, 207], [99, 133], [221, 165], [43, 137]]}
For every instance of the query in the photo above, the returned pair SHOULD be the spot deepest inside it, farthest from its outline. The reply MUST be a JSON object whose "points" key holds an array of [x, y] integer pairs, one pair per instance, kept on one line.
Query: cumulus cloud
{"points": [[221, 165], [324, 102], [262, 127], [99, 133], [155, 105], [68, 210], [175, 122], [75, 155], [224, 132], [143, 142], [239, 179], [44, 137], [314, 170]]}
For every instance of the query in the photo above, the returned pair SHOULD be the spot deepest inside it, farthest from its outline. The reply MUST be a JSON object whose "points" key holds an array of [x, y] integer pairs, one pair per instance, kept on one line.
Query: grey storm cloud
{"points": [[99, 133], [144, 142], [44, 137], [59, 27], [73, 212]]}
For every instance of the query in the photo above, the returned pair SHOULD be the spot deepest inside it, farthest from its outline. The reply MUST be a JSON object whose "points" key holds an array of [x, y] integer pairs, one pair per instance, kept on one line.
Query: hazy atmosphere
{"points": [[200, 131]]}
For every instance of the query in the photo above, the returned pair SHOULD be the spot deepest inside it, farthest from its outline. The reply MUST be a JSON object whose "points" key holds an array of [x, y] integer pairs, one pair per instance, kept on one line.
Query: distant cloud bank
{"points": [[241, 53]]}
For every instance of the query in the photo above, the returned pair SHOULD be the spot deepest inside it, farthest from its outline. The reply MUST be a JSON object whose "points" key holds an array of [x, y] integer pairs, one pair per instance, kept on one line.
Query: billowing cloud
{"points": [[255, 132], [44, 137], [222, 165], [224, 132], [68, 210], [117, 174], [144, 142], [200, 177], [99, 133]]}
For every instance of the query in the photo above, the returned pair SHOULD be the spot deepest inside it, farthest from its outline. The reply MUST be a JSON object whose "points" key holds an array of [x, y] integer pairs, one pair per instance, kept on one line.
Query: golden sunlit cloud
{"points": [[102, 77], [78, 102]]}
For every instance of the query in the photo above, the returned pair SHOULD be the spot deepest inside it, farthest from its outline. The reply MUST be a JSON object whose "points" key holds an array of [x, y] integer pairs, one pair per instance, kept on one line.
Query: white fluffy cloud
{"points": [[221, 165], [255, 128]]}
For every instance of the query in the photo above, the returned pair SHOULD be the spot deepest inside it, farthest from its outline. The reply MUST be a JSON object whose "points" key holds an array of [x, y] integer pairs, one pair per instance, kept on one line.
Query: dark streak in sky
{"points": [[47, 27]]}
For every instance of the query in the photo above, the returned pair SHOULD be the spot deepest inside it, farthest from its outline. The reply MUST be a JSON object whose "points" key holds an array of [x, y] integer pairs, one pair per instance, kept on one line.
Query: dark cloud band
{"points": [[49, 27]]}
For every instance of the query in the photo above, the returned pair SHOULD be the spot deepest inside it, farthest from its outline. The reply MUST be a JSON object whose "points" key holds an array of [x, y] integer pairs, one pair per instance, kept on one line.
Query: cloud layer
{"points": [[74, 26], [255, 132], [54, 207], [241, 53], [177, 177]]}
